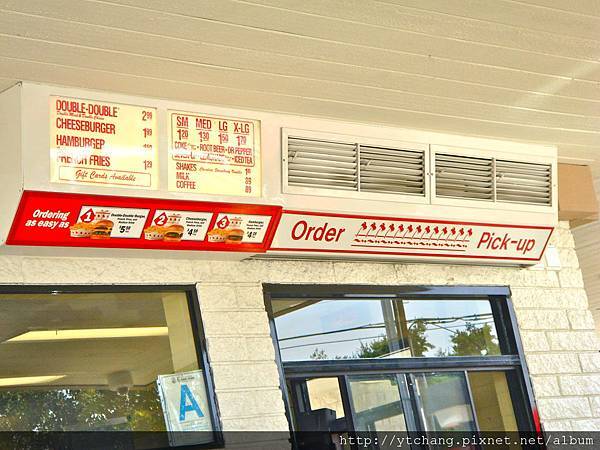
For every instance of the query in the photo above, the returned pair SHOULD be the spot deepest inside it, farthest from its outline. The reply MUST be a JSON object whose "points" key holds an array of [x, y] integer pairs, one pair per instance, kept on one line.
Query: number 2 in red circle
{"points": [[161, 220]]}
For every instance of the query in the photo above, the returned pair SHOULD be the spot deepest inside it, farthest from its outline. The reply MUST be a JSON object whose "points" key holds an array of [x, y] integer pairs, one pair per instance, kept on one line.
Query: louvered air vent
{"points": [[320, 164], [390, 170], [333, 165], [464, 177], [523, 182]]}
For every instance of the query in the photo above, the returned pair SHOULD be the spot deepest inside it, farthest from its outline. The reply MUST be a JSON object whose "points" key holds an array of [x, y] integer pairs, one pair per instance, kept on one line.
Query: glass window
{"points": [[91, 361], [411, 359], [376, 402], [444, 401], [309, 329], [448, 327], [493, 404], [324, 393]]}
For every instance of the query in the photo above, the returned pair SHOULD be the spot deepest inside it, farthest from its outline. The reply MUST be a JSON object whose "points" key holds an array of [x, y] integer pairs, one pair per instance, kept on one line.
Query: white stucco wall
{"points": [[556, 325]]}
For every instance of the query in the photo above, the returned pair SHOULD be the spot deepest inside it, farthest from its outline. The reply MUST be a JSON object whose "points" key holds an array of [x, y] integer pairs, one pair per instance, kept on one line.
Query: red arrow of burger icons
{"points": [[382, 233]]}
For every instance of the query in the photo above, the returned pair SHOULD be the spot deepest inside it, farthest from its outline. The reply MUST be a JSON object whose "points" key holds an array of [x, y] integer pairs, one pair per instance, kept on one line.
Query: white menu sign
{"points": [[214, 155], [95, 142]]}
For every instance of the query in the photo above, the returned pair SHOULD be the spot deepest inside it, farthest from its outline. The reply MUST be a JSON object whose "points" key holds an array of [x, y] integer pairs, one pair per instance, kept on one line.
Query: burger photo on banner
{"points": [[93, 226], [227, 230], [171, 231]]}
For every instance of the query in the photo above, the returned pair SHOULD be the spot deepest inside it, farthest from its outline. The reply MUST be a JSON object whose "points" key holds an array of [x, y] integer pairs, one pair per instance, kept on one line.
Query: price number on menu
{"points": [[123, 229], [192, 232]]}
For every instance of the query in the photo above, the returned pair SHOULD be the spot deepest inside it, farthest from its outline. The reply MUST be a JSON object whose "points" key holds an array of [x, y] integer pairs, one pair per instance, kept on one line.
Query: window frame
{"points": [[195, 317], [513, 363]]}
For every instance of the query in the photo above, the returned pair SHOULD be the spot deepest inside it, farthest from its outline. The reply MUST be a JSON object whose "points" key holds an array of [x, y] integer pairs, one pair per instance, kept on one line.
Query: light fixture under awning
{"points": [[89, 333]]}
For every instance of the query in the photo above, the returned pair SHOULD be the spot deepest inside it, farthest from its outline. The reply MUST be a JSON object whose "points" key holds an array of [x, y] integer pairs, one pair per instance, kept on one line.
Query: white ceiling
{"points": [[83, 361], [522, 70]]}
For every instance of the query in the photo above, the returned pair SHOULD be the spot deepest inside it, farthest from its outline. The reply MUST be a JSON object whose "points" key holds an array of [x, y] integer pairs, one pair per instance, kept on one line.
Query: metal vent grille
{"points": [[321, 164], [464, 177], [390, 170], [353, 167], [523, 182]]}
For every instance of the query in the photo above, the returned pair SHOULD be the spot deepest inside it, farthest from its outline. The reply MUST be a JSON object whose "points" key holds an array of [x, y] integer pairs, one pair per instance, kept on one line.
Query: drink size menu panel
{"points": [[214, 155], [95, 142]]}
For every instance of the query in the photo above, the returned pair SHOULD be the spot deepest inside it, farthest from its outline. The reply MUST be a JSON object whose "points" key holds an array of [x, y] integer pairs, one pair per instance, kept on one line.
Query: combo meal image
{"points": [[173, 231], [100, 228], [231, 234], [169, 231]]}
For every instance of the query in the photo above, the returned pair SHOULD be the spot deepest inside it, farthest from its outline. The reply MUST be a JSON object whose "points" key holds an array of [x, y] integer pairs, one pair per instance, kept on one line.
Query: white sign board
{"points": [[101, 143], [214, 155], [185, 407], [302, 231]]}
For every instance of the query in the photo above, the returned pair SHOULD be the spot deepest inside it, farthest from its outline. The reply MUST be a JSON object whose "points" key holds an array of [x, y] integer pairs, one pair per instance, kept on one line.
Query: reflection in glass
{"points": [[376, 403], [448, 327], [384, 328], [492, 400], [329, 329], [444, 400], [324, 393], [318, 406], [99, 371]]}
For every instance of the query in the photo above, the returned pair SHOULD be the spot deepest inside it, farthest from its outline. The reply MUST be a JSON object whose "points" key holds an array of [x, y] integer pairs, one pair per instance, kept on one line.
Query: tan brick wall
{"points": [[551, 306]]}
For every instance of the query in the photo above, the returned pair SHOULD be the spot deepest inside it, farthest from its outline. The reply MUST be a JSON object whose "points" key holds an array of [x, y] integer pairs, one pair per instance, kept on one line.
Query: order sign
{"points": [[94, 142], [214, 155]]}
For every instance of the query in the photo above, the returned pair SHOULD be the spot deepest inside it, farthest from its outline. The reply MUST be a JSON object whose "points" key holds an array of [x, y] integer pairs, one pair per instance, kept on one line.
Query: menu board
{"points": [[214, 155], [95, 142]]}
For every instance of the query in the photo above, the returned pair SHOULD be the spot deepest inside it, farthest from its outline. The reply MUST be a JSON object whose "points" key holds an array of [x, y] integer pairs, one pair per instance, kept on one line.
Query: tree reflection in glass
{"points": [[384, 328]]}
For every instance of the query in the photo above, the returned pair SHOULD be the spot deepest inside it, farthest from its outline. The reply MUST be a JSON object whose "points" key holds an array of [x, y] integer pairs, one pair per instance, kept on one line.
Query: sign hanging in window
{"points": [[95, 142], [185, 407]]}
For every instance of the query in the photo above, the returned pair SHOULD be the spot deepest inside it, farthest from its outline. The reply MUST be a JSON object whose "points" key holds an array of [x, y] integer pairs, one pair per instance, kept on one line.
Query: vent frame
{"points": [[495, 153], [494, 156], [360, 142]]}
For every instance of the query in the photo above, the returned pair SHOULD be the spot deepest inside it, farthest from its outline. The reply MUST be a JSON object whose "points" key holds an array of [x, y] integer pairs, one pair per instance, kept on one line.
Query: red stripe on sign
{"points": [[437, 255], [397, 219]]}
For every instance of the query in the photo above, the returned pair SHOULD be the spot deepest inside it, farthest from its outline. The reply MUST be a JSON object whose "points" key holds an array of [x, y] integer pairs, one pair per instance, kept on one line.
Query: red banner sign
{"points": [[76, 220], [303, 231]]}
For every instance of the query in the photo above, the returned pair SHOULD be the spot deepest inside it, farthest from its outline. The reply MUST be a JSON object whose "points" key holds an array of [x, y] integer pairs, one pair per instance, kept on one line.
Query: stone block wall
{"points": [[555, 323]]}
